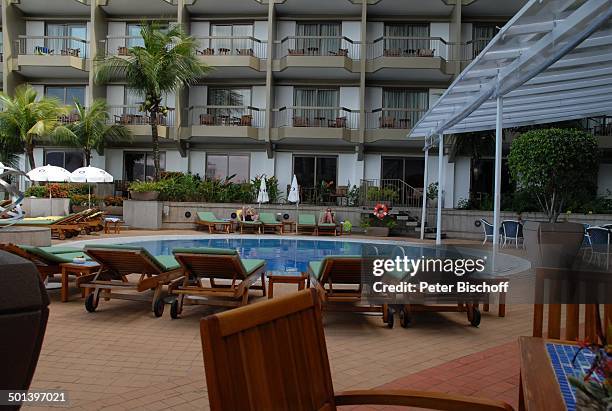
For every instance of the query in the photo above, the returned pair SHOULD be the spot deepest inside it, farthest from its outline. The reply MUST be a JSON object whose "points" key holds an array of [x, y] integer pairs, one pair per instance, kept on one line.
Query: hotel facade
{"points": [[324, 89]]}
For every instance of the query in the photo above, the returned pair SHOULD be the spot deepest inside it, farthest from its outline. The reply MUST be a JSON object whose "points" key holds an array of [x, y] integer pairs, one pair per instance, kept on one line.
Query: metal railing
{"points": [[245, 116], [119, 45], [599, 126], [474, 47], [327, 117], [316, 46], [69, 118], [394, 46], [52, 46], [232, 46], [393, 118], [132, 116], [394, 192]]}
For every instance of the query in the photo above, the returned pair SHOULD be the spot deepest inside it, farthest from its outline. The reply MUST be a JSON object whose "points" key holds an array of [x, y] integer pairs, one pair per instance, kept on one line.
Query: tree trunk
{"points": [[155, 140], [87, 153], [30, 152]]}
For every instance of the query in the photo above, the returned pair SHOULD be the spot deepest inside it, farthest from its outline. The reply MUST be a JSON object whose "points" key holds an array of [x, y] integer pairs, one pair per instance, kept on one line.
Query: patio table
{"points": [[545, 367], [286, 277], [82, 271]]}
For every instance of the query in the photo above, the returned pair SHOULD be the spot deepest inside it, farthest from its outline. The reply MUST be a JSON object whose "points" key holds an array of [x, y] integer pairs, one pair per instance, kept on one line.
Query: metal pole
{"points": [[424, 208], [498, 161], [440, 190]]}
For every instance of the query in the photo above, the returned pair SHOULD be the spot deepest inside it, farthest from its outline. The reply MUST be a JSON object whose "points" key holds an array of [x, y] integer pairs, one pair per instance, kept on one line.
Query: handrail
{"points": [[407, 109], [231, 38], [315, 108], [28, 37], [409, 38], [315, 37], [224, 107]]}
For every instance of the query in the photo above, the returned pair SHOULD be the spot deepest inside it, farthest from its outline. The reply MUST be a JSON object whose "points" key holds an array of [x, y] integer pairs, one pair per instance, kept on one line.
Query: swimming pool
{"points": [[294, 254]]}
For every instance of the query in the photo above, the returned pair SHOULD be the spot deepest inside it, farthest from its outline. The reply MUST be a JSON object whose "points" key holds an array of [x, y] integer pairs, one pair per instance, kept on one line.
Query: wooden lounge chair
{"points": [[255, 226], [269, 223], [208, 219], [46, 259], [61, 228], [308, 223], [272, 355], [219, 266], [327, 228], [119, 261]]}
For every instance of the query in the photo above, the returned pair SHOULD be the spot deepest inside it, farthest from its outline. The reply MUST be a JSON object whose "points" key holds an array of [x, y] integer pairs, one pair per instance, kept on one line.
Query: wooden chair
{"points": [[392, 52], [387, 122], [269, 223], [339, 122], [272, 355], [61, 228], [47, 262], [245, 52], [246, 120], [300, 121], [206, 52], [217, 265], [122, 51], [298, 52], [207, 120], [215, 225], [307, 223], [550, 284]]}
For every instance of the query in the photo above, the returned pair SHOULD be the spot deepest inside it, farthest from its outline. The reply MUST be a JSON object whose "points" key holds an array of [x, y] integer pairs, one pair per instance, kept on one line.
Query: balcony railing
{"points": [[393, 46], [52, 46], [69, 118], [393, 118], [474, 47], [326, 117], [120, 45], [228, 116], [231, 46], [316, 46], [599, 126], [132, 116]]}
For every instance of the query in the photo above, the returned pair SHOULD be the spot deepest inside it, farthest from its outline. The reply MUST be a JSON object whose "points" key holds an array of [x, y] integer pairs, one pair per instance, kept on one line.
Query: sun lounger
{"points": [[61, 227], [230, 278], [308, 223], [255, 226], [92, 221], [327, 228], [269, 223], [117, 263], [208, 219]]}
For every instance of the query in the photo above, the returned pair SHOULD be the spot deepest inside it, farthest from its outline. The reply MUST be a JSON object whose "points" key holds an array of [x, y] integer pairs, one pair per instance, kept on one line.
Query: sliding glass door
{"points": [[406, 38], [234, 38], [402, 108], [323, 101], [313, 173], [320, 38], [67, 38]]}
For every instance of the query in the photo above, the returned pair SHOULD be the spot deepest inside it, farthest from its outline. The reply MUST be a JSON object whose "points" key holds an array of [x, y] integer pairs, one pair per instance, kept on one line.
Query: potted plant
{"points": [[379, 223], [113, 205], [80, 202], [557, 167], [145, 190], [432, 194]]}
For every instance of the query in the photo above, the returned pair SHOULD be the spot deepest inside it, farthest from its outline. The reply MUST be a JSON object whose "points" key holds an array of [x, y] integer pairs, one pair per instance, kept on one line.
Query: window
{"points": [[227, 34], [139, 166], [325, 99], [69, 159], [221, 166], [311, 171], [133, 35], [319, 38], [402, 108], [406, 38], [221, 98], [407, 169], [66, 37], [481, 35], [67, 95]]}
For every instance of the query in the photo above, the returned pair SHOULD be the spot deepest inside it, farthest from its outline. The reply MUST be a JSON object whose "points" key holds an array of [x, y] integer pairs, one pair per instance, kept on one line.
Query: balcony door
{"points": [[67, 95], [320, 39], [402, 108], [406, 38], [313, 173], [134, 38], [407, 169], [64, 38], [228, 104], [324, 103], [481, 35], [232, 37]]}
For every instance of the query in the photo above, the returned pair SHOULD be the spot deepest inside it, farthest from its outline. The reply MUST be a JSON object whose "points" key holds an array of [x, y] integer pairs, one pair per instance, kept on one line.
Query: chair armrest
{"points": [[420, 399]]}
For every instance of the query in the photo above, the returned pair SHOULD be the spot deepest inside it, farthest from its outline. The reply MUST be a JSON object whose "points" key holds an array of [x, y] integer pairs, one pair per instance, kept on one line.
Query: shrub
{"points": [[432, 191], [83, 200], [113, 201], [58, 190], [384, 193], [144, 186]]}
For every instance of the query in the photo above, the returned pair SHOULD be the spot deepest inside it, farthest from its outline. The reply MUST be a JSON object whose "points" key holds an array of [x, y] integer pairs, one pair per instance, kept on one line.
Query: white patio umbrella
{"points": [[90, 175], [294, 197], [49, 174], [262, 196]]}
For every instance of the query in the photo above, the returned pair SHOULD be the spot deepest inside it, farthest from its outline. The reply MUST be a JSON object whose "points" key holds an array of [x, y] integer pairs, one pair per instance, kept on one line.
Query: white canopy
{"points": [[551, 62], [90, 175], [49, 173]]}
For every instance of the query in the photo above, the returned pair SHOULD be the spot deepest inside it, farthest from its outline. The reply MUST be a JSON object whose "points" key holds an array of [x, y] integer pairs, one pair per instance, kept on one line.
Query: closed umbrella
{"points": [[294, 197], [49, 174], [262, 196], [90, 175]]}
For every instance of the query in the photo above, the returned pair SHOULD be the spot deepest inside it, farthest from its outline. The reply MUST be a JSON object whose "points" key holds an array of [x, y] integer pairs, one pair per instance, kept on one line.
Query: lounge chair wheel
{"points": [[475, 321], [390, 319], [174, 310], [405, 318], [158, 308], [91, 303]]}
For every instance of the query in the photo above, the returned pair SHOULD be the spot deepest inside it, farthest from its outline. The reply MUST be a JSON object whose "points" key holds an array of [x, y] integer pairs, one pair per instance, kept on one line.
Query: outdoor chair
{"points": [[273, 355], [425, 52], [512, 230], [392, 52], [387, 122], [246, 120], [47, 260], [269, 222], [122, 51], [229, 276], [600, 245], [327, 228], [205, 52], [24, 311], [307, 223], [300, 122], [488, 230], [254, 226], [245, 52], [207, 120], [117, 262], [207, 219], [61, 228], [339, 122], [294, 52]]}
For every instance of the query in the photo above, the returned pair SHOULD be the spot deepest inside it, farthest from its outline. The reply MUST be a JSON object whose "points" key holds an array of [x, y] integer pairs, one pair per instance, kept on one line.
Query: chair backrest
{"points": [[554, 288], [37, 256], [206, 216], [487, 227], [24, 310], [307, 219], [511, 228], [600, 239], [124, 260], [216, 263], [268, 355], [267, 218], [341, 270]]}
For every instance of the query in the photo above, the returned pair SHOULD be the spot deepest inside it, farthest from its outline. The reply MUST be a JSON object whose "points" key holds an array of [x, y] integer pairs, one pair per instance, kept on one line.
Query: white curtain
{"points": [[54, 31], [415, 37], [312, 97], [319, 46], [224, 31], [416, 100], [243, 30]]}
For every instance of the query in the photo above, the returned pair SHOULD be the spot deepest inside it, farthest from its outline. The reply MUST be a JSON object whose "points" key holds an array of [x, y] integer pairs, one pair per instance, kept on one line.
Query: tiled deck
{"points": [[121, 357]]}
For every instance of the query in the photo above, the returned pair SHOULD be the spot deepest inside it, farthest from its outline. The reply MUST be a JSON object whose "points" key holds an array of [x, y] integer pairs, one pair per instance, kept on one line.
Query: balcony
{"points": [[391, 123], [327, 123], [236, 55], [226, 121], [119, 45], [139, 123], [52, 56], [316, 57], [429, 58]]}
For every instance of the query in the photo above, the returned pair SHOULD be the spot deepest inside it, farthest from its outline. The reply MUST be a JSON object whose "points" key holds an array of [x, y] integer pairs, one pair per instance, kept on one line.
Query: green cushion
{"points": [[50, 257], [121, 247], [168, 262], [327, 225], [58, 249], [209, 217], [315, 267], [268, 218], [205, 250], [71, 256], [250, 222], [252, 264], [307, 219]]}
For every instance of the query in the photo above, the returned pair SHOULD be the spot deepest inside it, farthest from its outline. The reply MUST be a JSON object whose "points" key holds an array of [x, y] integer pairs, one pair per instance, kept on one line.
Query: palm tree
{"points": [[92, 131], [166, 63], [25, 119]]}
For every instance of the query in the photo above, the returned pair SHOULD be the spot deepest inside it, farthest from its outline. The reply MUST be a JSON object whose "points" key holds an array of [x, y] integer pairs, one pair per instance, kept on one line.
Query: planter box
{"points": [[377, 231], [113, 210], [143, 214], [144, 196], [44, 207]]}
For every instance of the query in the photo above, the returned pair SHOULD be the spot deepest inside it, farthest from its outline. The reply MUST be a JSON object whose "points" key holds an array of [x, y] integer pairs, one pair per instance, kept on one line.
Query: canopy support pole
{"points": [[425, 176], [498, 161], [440, 191]]}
